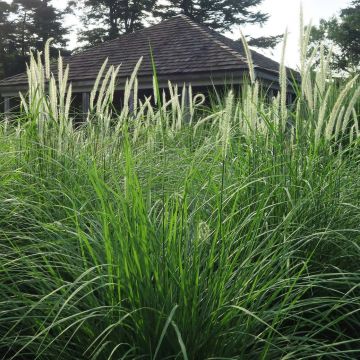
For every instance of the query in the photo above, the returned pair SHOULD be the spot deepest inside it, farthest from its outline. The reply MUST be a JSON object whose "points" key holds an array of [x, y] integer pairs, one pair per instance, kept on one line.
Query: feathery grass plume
{"points": [[67, 105], [50, 104], [143, 118], [306, 64], [299, 126], [184, 113], [47, 57], [322, 75], [132, 78], [249, 122], [104, 104], [283, 80], [136, 95], [102, 90], [97, 83], [356, 122], [174, 103], [339, 121], [319, 126], [275, 111], [308, 88], [302, 45], [40, 73], [245, 122], [53, 99], [23, 103], [128, 95], [350, 108], [248, 58], [335, 110], [225, 124], [195, 102], [60, 68], [154, 87], [352, 134], [304, 42], [63, 87], [191, 101], [36, 97], [255, 103], [107, 90]]}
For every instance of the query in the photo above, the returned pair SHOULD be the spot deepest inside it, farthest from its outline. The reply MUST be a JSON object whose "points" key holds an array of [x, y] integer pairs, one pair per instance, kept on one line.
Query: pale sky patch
{"points": [[285, 14]]}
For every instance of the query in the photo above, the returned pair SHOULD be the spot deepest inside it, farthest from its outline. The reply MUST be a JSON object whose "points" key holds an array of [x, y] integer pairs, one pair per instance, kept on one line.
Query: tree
{"points": [[36, 21], [23, 12], [26, 25], [6, 38], [219, 15], [265, 42], [342, 34], [107, 19], [48, 23]]}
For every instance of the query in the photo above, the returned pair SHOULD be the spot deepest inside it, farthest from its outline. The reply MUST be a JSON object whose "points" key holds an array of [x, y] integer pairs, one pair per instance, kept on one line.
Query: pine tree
{"points": [[107, 19], [32, 23], [219, 15], [48, 23], [6, 39], [36, 21], [23, 11]]}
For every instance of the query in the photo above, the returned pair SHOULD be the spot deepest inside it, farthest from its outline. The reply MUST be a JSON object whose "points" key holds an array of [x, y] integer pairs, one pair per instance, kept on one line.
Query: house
{"points": [[184, 53]]}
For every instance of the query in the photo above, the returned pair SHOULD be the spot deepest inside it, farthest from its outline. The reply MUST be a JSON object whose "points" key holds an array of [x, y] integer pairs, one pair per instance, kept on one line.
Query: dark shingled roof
{"points": [[180, 46]]}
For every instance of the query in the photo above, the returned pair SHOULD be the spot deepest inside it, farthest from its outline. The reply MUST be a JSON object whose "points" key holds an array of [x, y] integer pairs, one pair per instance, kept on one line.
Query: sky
{"points": [[284, 14]]}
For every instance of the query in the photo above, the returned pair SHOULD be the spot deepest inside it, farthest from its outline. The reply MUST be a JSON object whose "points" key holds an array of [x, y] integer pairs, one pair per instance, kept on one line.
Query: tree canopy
{"points": [[107, 19], [6, 39], [219, 15], [26, 25], [342, 35]]}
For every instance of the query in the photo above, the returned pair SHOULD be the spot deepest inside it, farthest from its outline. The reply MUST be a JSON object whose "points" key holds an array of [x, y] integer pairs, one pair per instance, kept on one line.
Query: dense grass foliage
{"points": [[164, 232]]}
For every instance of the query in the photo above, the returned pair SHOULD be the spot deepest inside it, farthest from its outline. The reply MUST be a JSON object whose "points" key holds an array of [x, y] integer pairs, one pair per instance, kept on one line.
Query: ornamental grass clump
{"points": [[176, 230]]}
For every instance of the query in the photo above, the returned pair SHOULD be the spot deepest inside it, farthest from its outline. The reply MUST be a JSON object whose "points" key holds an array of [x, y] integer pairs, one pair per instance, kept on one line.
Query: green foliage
{"points": [[265, 42], [107, 19], [6, 40], [219, 14], [342, 34], [177, 231], [26, 25]]}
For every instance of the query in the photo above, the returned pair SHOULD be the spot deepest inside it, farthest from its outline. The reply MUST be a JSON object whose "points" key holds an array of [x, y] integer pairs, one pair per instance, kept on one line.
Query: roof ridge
{"points": [[207, 31]]}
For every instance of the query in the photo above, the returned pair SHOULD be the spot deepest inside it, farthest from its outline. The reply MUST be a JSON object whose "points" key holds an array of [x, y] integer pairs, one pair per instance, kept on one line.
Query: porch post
{"points": [[85, 103], [6, 105]]}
